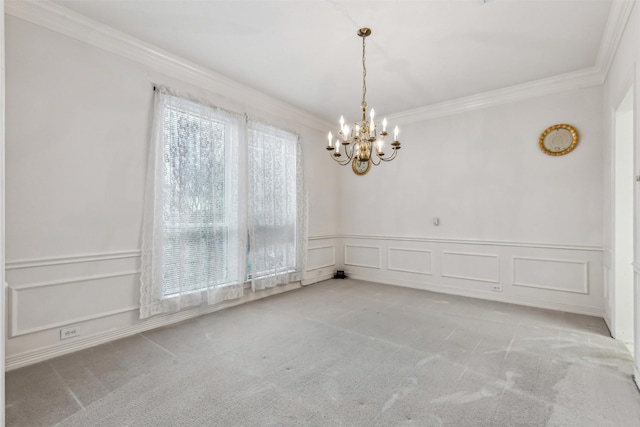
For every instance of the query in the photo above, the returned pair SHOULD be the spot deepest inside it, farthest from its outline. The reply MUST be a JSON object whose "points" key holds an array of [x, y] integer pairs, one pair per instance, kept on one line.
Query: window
{"points": [[273, 202], [218, 185], [194, 204]]}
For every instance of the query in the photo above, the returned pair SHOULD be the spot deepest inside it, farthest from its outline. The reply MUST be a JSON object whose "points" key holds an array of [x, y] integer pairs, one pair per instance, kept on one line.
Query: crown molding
{"points": [[79, 27], [64, 21], [561, 83], [616, 24], [594, 76]]}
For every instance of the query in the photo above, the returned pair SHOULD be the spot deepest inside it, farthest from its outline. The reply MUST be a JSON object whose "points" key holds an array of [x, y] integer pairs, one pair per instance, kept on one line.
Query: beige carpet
{"points": [[343, 352]]}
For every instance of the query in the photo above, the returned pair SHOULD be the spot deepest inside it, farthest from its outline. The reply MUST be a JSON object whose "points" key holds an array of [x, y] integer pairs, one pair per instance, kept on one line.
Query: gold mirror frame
{"points": [[574, 139]]}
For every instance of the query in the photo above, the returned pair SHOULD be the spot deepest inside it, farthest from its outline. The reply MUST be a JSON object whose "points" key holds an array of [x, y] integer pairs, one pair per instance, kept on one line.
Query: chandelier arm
{"points": [[348, 151], [340, 162], [379, 160], [391, 157], [344, 162]]}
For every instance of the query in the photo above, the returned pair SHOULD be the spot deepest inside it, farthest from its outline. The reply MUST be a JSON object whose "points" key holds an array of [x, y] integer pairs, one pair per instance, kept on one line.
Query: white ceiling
{"points": [[421, 53]]}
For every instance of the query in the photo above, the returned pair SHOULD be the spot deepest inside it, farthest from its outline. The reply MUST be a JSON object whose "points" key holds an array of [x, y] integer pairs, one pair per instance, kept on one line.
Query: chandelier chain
{"points": [[364, 72]]}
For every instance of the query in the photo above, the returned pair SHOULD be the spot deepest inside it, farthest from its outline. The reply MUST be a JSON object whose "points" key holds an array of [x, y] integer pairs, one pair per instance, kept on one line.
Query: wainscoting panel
{"points": [[321, 257], [471, 266], [560, 277], [75, 300], [409, 260], [362, 256], [553, 274], [99, 292], [49, 293]]}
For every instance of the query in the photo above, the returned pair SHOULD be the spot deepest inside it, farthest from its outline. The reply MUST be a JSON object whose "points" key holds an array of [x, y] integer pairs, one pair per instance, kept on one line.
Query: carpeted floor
{"points": [[343, 352]]}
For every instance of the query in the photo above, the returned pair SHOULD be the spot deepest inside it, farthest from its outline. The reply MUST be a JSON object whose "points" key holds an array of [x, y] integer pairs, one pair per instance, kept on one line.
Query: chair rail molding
{"points": [[324, 237], [71, 259], [475, 242]]}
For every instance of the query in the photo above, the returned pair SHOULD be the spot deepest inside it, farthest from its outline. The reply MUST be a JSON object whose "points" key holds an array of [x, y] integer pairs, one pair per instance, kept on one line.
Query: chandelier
{"points": [[362, 145]]}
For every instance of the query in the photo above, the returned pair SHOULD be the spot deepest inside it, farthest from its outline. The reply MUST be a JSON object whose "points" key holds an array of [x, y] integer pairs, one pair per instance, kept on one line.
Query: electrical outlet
{"points": [[70, 332], [496, 288], [319, 273]]}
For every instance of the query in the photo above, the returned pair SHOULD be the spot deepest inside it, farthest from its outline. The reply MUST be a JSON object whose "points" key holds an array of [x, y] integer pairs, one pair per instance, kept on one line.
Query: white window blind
{"points": [[193, 237], [277, 205]]}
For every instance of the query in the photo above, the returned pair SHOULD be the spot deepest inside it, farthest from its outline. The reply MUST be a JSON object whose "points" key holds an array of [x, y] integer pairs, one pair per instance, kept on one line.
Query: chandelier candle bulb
{"points": [[363, 145], [396, 131], [330, 146]]}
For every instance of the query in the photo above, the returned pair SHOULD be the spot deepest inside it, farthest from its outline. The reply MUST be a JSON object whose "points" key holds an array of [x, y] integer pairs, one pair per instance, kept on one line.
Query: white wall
{"points": [[511, 217], [622, 292], [77, 135], [622, 75], [3, 291], [509, 214]]}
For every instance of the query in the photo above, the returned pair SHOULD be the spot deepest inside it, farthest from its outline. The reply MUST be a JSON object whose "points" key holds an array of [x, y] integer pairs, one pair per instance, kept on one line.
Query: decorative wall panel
{"points": [[471, 266], [409, 260], [362, 256], [74, 300], [551, 274], [321, 257]]}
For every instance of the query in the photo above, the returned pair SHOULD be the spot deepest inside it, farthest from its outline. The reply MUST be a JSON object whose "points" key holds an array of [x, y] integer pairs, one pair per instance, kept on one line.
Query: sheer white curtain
{"points": [[194, 224], [277, 206]]}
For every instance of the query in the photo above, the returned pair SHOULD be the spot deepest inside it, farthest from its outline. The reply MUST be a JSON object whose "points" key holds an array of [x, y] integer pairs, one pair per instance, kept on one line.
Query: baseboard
{"points": [[636, 377], [41, 354], [321, 278], [491, 296], [607, 322]]}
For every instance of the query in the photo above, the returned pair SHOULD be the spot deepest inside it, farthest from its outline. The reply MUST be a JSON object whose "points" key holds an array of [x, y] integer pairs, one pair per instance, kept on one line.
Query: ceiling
{"points": [[420, 53]]}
